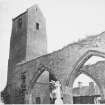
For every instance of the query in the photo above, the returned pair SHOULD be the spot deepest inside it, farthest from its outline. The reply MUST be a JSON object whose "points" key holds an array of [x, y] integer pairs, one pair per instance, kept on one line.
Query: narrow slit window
{"points": [[37, 26]]}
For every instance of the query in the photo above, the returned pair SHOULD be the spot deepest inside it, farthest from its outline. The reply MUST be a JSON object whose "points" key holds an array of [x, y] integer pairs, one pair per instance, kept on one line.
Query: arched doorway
{"points": [[77, 71]]}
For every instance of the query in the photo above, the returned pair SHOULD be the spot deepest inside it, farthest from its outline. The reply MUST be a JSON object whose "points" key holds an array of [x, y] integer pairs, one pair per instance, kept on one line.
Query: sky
{"points": [[67, 21]]}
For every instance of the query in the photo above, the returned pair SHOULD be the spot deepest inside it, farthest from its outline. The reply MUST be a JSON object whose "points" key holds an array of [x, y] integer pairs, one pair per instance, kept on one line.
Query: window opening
{"points": [[37, 26]]}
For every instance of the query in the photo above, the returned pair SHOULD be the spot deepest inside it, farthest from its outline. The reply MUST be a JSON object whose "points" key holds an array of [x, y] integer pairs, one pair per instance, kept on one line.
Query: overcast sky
{"points": [[66, 21]]}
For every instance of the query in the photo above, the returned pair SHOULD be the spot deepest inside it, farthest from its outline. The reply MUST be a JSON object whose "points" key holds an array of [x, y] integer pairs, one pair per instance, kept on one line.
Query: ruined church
{"points": [[31, 68]]}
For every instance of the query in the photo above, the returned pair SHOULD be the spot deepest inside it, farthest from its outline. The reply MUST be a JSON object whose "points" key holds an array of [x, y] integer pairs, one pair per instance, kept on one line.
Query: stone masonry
{"points": [[30, 65]]}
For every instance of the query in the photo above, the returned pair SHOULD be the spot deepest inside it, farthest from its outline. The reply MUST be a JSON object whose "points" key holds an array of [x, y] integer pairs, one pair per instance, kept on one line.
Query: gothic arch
{"points": [[36, 75], [75, 71], [41, 69], [79, 64], [92, 77], [34, 79]]}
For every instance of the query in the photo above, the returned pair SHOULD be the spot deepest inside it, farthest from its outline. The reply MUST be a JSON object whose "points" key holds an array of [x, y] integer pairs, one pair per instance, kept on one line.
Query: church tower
{"points": [[28, 39]]}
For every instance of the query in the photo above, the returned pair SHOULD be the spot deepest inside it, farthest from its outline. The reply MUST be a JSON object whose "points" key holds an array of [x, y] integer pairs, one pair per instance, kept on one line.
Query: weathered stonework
{"points": [[65, 64]]}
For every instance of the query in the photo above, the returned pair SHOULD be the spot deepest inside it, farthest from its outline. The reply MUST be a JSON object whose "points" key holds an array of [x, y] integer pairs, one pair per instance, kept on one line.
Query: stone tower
{"points": [[28, 39]]}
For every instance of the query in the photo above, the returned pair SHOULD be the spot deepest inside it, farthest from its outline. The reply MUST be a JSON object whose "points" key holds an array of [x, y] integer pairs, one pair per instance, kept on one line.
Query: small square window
{"points": [[37, 26]]}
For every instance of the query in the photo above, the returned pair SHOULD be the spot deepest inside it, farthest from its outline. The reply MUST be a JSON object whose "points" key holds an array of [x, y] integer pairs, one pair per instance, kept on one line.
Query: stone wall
{"points": [[28, 41], [65, 64]]}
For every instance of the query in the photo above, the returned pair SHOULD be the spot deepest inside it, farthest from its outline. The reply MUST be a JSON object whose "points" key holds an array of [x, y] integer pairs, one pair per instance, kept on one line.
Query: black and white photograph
{"points": [[52, 52]]}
